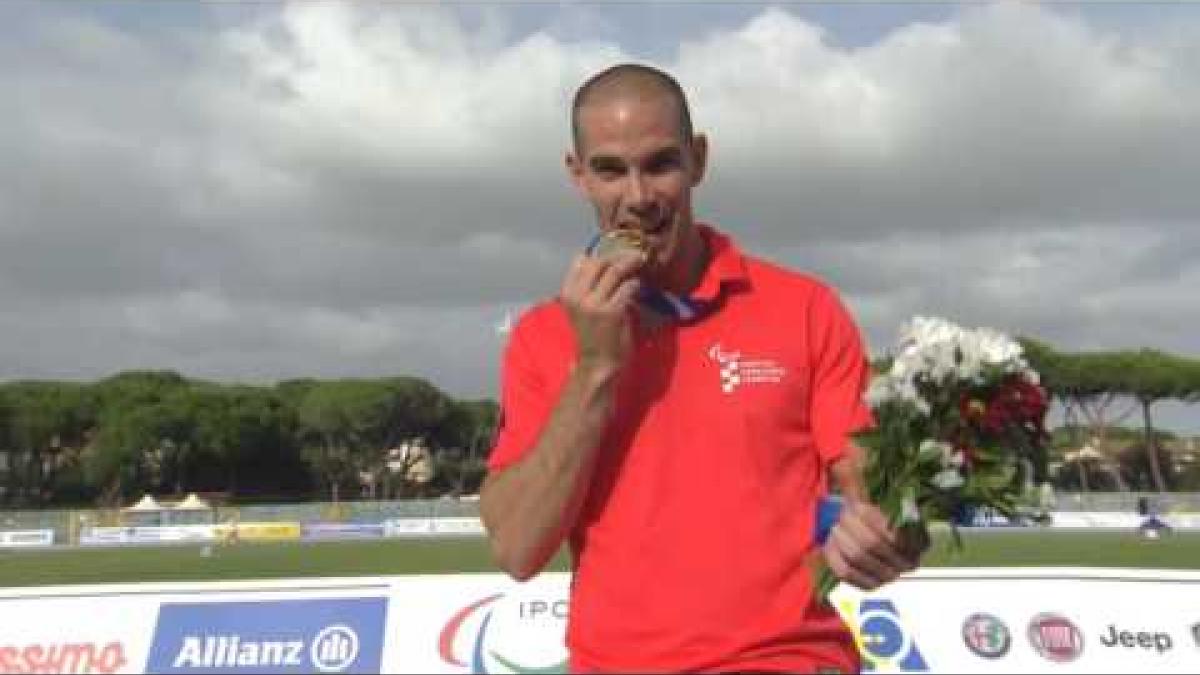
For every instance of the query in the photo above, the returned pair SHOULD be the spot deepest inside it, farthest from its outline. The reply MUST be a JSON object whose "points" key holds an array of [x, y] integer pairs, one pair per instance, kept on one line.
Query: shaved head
{"points": [[626, 82]]}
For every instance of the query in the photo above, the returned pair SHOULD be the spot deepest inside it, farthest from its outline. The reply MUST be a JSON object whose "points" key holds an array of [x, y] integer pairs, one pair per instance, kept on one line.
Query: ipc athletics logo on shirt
{"points": [[739, 371], [469, 639], [882, 640]]}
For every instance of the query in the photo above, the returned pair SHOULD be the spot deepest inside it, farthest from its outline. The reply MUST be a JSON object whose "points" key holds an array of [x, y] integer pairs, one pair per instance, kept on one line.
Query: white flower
{"points": [[930, 449], [942, 360], [939, 349], [880, 391], [885, 388], [922, 406], [971, 357], [905, 367], [923, 330], [996, 347], [907, 391], [948, 479], [946, 454]]}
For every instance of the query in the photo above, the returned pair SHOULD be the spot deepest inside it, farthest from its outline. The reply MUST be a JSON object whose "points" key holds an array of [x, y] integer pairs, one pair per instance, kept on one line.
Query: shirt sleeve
{"points": [[525, 401], [841, 374]]}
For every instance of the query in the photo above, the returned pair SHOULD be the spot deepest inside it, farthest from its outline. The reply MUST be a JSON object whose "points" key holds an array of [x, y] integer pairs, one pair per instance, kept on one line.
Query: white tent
{"points": [[147, 503], [192, 503]]}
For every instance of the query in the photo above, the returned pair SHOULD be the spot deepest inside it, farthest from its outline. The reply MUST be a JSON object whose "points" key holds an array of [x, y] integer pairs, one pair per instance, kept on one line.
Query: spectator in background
{"points": [[1151, 527]]}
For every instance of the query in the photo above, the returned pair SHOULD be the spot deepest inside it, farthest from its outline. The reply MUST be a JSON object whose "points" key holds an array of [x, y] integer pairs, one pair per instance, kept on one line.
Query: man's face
{"points": [[636, 169]]}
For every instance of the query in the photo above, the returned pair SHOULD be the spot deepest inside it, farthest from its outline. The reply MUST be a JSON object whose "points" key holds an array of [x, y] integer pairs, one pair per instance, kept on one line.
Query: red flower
{"points": [[1017, 402], [968, 456], [971, 408]]}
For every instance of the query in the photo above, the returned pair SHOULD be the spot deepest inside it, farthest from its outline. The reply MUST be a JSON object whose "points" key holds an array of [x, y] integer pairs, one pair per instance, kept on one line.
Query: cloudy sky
{"points": [[254, 191]]}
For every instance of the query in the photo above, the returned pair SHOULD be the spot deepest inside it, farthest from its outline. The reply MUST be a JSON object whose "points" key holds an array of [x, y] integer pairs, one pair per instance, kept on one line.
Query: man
{"points": [[682, 454]]}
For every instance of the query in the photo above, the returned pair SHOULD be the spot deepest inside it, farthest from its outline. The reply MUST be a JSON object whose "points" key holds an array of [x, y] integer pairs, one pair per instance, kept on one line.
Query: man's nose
{"points": [[637, 193]]}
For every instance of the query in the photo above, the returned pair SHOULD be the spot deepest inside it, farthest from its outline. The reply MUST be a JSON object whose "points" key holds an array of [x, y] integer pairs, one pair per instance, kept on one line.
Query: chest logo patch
{"points": [[737, 370]]}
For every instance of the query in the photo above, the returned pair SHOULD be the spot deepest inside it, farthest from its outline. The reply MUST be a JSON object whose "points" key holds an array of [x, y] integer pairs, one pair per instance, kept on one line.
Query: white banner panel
{"points": [[285, 626], [1113, 519], [960, 621], [85, 633], [458, 526], [1038, 620], [480, 623], [424, 527], [26, 538], [407, 527], [146, 534], [1010, 620], [1124, 520], [1183, 520]]}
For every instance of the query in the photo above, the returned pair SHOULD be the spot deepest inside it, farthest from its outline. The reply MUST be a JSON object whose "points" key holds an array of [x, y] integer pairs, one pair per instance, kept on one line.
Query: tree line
{"points": [[109, 441], [1100, 389]]}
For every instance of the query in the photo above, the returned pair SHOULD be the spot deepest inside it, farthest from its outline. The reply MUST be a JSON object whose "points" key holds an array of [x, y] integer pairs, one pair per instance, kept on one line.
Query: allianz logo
{"points": [[333, 650]]}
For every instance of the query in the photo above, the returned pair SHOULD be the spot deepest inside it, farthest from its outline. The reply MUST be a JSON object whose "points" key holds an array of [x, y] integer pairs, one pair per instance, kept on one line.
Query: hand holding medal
{"points": [[681, 308]]}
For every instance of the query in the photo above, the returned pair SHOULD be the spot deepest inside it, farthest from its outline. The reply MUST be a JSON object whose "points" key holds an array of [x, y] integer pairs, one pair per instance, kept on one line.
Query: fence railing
{"points": [[1126, 501], [67, 523]]}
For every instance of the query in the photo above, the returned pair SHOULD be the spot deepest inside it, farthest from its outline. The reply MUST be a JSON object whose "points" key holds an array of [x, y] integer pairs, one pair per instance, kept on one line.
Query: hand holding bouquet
{"points": [[959, 426]]}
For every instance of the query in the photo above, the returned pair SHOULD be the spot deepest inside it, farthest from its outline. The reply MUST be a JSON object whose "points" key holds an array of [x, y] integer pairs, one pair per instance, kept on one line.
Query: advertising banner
{"points": [[408, 527], [74, 633], [285, 626], [1007, 620], [425, 527], [457, 526], [253, 531], [337, 531], [1120, 520], [330, 635], [478, 623], [146, 534], [988, 620], [1029, 621], [26, 538], [1103, 519]]}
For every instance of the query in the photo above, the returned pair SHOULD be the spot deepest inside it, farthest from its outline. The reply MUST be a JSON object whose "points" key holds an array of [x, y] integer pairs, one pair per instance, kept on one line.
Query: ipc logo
{"points": [[882, 640], [474, 636]]}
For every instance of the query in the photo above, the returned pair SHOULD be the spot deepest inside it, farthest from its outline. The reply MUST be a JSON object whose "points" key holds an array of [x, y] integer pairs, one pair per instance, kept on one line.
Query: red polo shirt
{"points": [[690, 551]]}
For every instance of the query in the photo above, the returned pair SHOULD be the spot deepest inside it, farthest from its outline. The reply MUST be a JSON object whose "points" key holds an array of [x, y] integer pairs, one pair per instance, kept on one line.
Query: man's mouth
{"points": [[650, 228]]}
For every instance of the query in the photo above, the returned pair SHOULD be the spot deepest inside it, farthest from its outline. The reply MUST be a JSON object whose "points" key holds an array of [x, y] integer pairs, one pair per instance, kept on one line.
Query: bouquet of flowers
{"points": [[959, 426]]}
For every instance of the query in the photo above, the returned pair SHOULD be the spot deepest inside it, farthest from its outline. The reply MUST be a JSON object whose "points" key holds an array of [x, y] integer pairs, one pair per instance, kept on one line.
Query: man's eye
{"points": [[664, 165]]}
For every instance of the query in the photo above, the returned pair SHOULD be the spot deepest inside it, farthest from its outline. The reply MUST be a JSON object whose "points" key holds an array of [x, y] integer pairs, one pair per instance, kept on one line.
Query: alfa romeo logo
{"points": [[986, 636]]}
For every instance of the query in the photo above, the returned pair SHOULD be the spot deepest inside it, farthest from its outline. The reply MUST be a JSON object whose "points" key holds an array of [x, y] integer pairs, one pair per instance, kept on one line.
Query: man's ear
{"points": [[699, 158], [575, 171]]}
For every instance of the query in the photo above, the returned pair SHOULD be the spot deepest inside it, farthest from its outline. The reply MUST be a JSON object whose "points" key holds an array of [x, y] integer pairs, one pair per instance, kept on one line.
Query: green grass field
{"points": [[447, 556]]}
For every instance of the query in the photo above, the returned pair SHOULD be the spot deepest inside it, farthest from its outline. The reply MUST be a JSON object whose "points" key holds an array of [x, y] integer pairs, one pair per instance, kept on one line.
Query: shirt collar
{"points": [[726, 269]]}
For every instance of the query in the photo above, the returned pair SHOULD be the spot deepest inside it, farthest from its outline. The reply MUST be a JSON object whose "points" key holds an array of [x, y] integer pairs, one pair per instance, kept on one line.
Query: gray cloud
{"points": [[325, 189]]}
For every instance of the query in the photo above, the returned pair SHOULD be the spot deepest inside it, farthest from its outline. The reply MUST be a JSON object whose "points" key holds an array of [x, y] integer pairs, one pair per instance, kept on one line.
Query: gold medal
{"points": [[613, 242]]}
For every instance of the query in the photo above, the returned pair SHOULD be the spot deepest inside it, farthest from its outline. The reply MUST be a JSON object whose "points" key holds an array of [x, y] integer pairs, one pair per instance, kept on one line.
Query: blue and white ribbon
{"points": [[829, 510]]}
